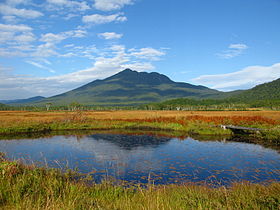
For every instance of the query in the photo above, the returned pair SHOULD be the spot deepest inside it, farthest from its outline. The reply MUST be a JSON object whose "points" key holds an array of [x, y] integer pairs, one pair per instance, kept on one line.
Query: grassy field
{"points": [[101, 115], [28, 187], [192, 122]]}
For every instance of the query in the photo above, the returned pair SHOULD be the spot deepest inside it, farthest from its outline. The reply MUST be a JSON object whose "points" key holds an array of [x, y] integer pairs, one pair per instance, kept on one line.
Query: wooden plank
{"points": [[233, 127]]}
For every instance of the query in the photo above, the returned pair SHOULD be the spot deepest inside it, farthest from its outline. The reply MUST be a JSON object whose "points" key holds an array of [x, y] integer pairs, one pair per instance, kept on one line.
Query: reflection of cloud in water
{"points": [[119, 151]]}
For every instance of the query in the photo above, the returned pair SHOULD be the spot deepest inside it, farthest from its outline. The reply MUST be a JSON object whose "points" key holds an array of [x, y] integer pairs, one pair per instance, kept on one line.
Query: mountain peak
{"points": [[135, 77], [127, 70]]}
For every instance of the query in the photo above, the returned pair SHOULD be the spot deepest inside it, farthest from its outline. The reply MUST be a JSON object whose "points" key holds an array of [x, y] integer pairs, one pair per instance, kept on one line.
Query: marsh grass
{"points": [[28, 187], [191, 123]]}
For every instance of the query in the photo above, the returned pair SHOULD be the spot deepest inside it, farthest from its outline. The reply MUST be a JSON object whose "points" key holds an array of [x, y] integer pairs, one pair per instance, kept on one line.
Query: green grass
{"points": [[28, 187]]}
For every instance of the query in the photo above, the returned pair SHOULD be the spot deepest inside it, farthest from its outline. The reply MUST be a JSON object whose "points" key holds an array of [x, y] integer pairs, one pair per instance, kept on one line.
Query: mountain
{"points": [[264, 95], [23, 101], [266, 91], [130, 88]]}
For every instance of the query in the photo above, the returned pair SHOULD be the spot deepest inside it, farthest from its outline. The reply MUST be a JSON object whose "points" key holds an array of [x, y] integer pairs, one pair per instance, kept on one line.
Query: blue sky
{"points": [[49, 47]]}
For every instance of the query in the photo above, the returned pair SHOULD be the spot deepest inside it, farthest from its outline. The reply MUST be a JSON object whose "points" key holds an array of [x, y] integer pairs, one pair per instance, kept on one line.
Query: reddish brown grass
{"points": [[181, 117]]}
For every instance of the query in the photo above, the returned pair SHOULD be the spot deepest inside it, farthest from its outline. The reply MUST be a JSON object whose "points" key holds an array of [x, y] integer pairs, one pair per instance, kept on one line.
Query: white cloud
{"points": [[40, 66], [78, 33], [10, 18], [108, 5], [52, 38], [238, 46], [25, 37], [49, 47], [8, 53], [102, 19], [233, 51], [23, 47], [45, 50], [76, 5], [6, 36], [110, 35], [138, 66], [23, 13], [57, 38], [11, 34], [14, 28], [243, 79], [147, 53]]}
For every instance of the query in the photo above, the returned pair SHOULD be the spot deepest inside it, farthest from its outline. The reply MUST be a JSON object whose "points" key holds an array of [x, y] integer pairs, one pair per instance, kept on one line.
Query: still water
{"points": [[146, 158]]}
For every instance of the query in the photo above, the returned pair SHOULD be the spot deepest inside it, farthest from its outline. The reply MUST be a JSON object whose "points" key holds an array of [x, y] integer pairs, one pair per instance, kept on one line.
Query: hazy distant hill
{"points": [[23, 101], [130, 88]]}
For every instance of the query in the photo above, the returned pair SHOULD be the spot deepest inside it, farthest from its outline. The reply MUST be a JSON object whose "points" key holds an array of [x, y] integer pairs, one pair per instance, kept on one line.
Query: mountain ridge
{"points": [[130, 87], [265, 91]]}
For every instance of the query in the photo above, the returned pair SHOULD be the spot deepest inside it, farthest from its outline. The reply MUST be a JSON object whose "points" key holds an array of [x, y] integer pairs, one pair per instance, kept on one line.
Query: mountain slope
{"points": [[264, 95], [131, 88], [266, 91]]}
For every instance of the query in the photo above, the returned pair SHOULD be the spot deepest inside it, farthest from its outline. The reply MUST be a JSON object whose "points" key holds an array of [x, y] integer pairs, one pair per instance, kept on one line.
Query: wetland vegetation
{"points": [[28, 187], [30, 184], [203, 123]]}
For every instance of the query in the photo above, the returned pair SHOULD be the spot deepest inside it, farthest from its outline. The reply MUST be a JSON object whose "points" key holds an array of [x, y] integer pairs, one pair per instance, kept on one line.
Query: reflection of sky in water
{"points": [[165, 160]]}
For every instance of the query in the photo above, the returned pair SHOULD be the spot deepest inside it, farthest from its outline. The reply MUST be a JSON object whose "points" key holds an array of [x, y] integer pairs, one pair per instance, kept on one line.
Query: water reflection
{"points": [[144, 158]]}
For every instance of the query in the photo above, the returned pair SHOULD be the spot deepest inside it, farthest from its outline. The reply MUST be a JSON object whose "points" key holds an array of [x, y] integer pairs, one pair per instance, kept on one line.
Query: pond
{"points": [[149, 158]]}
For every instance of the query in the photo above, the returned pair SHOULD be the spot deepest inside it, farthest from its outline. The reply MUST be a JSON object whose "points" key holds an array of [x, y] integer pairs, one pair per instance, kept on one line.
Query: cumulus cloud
{"points": [[110, 35], [243, 79], [23, 13], [233, 51], [108, 5], [102, 19]]}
